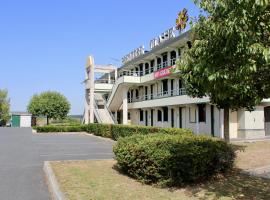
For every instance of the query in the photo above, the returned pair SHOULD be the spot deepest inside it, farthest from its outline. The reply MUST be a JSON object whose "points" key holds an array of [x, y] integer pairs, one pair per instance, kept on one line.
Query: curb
{"points": [[53, 185]]}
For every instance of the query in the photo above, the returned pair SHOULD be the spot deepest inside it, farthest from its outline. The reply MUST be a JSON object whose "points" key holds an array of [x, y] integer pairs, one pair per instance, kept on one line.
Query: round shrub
{"points": [[173, 159]]}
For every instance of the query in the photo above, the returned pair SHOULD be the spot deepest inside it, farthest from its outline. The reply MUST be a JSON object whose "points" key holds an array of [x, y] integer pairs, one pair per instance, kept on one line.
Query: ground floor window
{"points": [[159, 116], [141, 115], [202, 112], [165, 113], [192, 115]]}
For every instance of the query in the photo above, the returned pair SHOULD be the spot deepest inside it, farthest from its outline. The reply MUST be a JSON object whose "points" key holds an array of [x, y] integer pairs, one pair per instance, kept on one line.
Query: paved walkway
{"points": [[22, 155], [263, 172]]}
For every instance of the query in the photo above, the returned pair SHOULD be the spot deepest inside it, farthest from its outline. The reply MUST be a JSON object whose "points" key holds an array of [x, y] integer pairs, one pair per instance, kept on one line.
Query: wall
{"points": [[233, 124], [251, 124], [25, 121]]}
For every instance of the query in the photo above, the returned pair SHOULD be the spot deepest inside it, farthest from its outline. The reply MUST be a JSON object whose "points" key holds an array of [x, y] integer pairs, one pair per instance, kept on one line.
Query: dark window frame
{"points": [[165, 114], [159, 116], [202, 112], [141, 115]]}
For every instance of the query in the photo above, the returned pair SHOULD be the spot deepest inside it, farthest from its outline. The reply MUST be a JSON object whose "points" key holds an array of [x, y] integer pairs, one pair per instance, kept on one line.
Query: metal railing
{"points": [[149, 70], [159, 95], [96, 111], [106, 81]]}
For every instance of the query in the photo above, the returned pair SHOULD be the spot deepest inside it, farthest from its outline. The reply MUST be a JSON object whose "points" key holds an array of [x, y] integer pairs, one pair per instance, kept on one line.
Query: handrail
{"points": [[96, 111], [112, 116], [159, 95], [104, 81], [155, 68]]}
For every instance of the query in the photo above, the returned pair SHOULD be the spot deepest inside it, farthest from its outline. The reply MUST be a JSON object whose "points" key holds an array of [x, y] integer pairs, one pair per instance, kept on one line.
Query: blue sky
{"points": [[44, 44]]}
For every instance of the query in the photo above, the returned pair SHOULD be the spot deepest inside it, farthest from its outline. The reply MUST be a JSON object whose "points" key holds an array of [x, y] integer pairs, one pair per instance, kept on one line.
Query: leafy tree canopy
{"points": [[230, 53], [50, 104], [4, 107]]}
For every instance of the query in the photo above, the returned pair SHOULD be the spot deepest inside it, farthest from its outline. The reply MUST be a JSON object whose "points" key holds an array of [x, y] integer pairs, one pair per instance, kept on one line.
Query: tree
{"points": [[230, 53], [4, 107], [53, 105]]}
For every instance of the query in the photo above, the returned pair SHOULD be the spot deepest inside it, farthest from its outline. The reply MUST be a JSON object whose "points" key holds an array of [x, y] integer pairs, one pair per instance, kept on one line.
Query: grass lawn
{"points": [[98, 180]]}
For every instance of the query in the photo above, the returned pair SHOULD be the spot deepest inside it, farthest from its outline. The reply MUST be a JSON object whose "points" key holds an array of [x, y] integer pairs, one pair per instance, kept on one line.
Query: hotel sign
{"points": [[134, 54], [167, 35], [181, 23], [163, 72]]}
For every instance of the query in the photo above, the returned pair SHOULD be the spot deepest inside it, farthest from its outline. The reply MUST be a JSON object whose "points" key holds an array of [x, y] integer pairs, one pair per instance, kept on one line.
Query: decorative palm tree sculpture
{"points": [[181, 21]]}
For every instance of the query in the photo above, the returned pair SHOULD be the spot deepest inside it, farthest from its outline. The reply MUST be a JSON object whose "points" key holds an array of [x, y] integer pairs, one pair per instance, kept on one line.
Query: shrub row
{"points": [[114, 131], [55, 129], [117, 131], [171, 160]]}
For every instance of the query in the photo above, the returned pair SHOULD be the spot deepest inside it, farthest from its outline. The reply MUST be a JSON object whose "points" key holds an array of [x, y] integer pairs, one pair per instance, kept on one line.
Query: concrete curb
{"points": [[53, 185]]}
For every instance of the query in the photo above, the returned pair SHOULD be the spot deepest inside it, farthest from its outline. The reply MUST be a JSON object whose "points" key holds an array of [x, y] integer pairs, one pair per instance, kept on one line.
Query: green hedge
{"points": [[55, 129], [172, 160], [114, 131]]}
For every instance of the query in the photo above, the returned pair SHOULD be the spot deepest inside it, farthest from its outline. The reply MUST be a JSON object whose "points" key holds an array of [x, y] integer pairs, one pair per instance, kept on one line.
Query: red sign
{"points": [[163, 72]]}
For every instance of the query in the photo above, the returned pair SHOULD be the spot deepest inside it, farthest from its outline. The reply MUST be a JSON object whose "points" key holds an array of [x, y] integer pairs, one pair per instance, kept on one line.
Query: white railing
{"points": [[106, 81], [162, 65], [159, 95]]}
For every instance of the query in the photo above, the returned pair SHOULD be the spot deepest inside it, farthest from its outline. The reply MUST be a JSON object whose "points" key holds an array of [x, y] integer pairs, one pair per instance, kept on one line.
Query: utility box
{"points": [[21, 119]]}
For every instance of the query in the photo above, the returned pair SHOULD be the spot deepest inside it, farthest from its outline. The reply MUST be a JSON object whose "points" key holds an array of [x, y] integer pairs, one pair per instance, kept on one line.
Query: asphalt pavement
{"points": [[22, 155]]}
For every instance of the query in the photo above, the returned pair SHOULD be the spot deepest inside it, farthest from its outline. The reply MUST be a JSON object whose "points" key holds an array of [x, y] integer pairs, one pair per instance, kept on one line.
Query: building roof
{"points": [[21, 113]]}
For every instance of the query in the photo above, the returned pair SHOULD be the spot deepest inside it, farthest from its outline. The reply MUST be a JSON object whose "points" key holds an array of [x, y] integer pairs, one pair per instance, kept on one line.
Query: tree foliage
{"points": [[53, 105], [4, 107], [229, 58]]}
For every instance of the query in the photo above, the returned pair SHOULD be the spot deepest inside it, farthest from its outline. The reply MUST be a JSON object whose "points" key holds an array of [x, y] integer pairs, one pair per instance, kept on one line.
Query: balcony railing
{"points": [[159, 95], [104, 81], [148, 70]]}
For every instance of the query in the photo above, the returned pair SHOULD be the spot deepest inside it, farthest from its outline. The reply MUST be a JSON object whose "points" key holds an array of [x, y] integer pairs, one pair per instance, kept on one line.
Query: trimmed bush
{"points": [[128, 130], [176, 131], [103, 130], [55, 129], [172, 160], [112, 131]]}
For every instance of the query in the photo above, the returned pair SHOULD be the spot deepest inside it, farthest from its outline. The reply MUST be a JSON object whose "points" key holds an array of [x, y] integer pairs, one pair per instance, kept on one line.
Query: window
{"points": [[141, 69], [192, 114], [129, 116], [152, 66], [141, 115], [202, 112], [165, 86], [159, 116], [165, 114], [146, 92], [147, 68]]}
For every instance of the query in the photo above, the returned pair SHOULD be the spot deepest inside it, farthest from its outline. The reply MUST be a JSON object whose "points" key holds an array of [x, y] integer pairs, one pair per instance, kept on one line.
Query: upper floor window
{"points": [[147, 68]]}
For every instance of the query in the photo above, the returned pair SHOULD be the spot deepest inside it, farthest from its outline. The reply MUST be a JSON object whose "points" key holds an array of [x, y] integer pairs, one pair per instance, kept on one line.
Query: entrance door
{"points": [[152, 91], [165, 87], [212, 121], [172, 118], [16, 120], [267, 120], [152, 117], [172, 87], [146, 118], [146, 93], [180, 118]]}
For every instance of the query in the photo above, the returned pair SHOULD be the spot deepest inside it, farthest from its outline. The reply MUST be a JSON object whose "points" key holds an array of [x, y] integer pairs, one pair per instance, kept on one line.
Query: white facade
{"points": [[147, 90], [25, 121]]}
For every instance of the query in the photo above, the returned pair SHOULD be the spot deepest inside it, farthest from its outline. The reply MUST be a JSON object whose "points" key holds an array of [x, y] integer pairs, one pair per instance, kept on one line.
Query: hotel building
{"points": [[147, 90]]}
